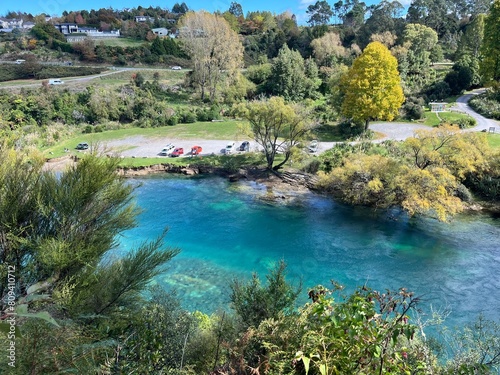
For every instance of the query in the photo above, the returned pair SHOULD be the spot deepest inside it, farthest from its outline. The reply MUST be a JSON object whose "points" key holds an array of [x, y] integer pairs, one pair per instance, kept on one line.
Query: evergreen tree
{"points": [[490, 64], [288, 76]]}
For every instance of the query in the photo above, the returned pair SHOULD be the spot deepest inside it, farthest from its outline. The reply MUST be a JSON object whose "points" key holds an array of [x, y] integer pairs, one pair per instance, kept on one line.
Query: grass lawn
{"points": [[494, 140], [328, 133], [431, 118], [120, 42], [166, 77]]}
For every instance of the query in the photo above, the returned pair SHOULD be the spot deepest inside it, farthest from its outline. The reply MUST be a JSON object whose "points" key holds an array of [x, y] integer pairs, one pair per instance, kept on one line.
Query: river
{"points": [[227, 231]]}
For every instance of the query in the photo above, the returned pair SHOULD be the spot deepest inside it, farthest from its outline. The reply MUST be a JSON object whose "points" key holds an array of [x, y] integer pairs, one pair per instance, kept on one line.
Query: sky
{"points": [[56, 7]]}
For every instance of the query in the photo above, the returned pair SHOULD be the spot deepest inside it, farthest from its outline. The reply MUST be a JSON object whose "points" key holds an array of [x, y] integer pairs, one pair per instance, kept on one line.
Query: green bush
{"points": [[349, 128], [88, 129], [187, 117], [487, 105], [467, 122], [413, 108]]}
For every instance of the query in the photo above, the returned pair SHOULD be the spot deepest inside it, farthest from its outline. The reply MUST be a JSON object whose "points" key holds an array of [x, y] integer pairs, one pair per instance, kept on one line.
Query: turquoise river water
{"points": [[227, 231]]}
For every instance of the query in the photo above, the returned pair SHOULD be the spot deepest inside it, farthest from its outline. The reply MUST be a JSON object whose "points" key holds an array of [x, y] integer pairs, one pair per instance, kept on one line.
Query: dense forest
{"points": [[68, 308]]}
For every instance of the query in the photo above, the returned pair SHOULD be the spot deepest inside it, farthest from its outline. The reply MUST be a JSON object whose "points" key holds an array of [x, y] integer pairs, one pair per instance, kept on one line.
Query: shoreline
{"points": [[281, 188]]}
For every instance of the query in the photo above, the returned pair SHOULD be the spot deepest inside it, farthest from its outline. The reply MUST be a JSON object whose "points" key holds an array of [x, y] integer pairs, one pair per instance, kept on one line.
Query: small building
{"points": [[67, 28], [11, 23], [28, 25], [438, 107], [144, 19]]}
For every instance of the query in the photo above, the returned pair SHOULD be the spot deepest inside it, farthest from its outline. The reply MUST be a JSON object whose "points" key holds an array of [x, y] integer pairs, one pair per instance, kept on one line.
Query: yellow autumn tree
{"points": [[372, 86]]}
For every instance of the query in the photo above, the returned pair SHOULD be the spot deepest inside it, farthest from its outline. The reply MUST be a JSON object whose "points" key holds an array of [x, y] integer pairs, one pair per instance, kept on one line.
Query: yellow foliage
{"points": [[428, 191], [447, 147], [372, 87]]}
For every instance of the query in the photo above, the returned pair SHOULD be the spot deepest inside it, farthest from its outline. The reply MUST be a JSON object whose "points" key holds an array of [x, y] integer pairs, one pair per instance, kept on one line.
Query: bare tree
{"points": [[214, 48]]}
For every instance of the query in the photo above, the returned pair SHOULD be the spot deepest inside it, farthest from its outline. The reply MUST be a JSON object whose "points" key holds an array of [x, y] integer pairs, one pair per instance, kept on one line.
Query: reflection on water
{"points": [[226, 231]]}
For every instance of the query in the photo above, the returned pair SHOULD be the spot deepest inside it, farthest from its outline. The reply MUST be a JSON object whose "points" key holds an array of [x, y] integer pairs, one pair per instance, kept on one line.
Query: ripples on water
{"points": [[226, 231]]}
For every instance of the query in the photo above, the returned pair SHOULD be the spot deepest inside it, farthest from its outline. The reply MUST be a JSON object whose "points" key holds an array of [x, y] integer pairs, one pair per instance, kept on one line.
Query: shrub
{"points": [[88, 129], [173, 120], [467, 122], [438, 91], [413, 108], [350, 128], [188, 117], [487, 105]]}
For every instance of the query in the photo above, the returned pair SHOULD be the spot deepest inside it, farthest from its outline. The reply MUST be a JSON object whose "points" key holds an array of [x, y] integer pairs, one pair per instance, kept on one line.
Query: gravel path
{"points": [[150, 147]]}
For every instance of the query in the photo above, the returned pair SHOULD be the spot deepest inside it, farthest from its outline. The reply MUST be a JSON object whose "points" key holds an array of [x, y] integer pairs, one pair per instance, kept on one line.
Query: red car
{"points": [[195, 150], [177, 152]]}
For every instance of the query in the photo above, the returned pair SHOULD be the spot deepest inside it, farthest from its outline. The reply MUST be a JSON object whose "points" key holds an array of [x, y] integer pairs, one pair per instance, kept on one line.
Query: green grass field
{"points": [[121, 42], [494, 140], [432, 119]]}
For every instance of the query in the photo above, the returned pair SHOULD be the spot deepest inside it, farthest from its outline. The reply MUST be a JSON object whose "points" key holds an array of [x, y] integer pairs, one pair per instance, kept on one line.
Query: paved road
{"points": [[482, 122]]}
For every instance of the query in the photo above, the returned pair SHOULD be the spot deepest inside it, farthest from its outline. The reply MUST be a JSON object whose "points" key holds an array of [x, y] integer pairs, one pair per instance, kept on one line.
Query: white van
{"points": [[20, 61], [55, 82]]}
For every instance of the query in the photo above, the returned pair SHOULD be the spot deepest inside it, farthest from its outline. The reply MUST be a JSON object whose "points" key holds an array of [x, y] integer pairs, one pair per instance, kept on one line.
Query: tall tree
{"points": [[288, 76], [277, 127], [490, 64], [214, 48], [328, 50], [319, 13], [372, 87], [235, 9], [180, 8], [414, 56]]}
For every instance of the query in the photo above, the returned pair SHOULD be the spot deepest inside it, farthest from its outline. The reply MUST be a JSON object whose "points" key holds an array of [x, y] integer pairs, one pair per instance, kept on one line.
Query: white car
{"points": [[229, 148], [55, 82], [176, 67], [313, 146], [167, 149]]}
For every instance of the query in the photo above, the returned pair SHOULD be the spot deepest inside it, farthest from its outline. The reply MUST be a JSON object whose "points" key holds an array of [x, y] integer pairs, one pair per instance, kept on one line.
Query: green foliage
{"points": [[288, 76], [366, 332], [156, 338], [254, 303], [487, 104], [474, 349], [259, 74], [413, 108], [13, 72], [490, 49], [276, 126], [422, 175]]}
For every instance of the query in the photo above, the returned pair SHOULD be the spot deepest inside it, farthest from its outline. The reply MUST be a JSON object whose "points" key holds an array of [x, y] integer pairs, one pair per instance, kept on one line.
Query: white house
{"points": [[10, 23]]}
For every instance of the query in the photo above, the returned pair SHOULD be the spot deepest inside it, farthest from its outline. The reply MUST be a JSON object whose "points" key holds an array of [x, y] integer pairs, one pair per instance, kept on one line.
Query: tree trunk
{"points": [[367, 121]]}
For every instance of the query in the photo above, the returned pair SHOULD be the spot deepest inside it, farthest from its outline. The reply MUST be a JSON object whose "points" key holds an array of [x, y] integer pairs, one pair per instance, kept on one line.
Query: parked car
{"points": [[177, 152], [82, 146], [55, 82], [229, 148], [176, 67], [245, 146], [313, 146], [167, 149], [195, 150]]}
